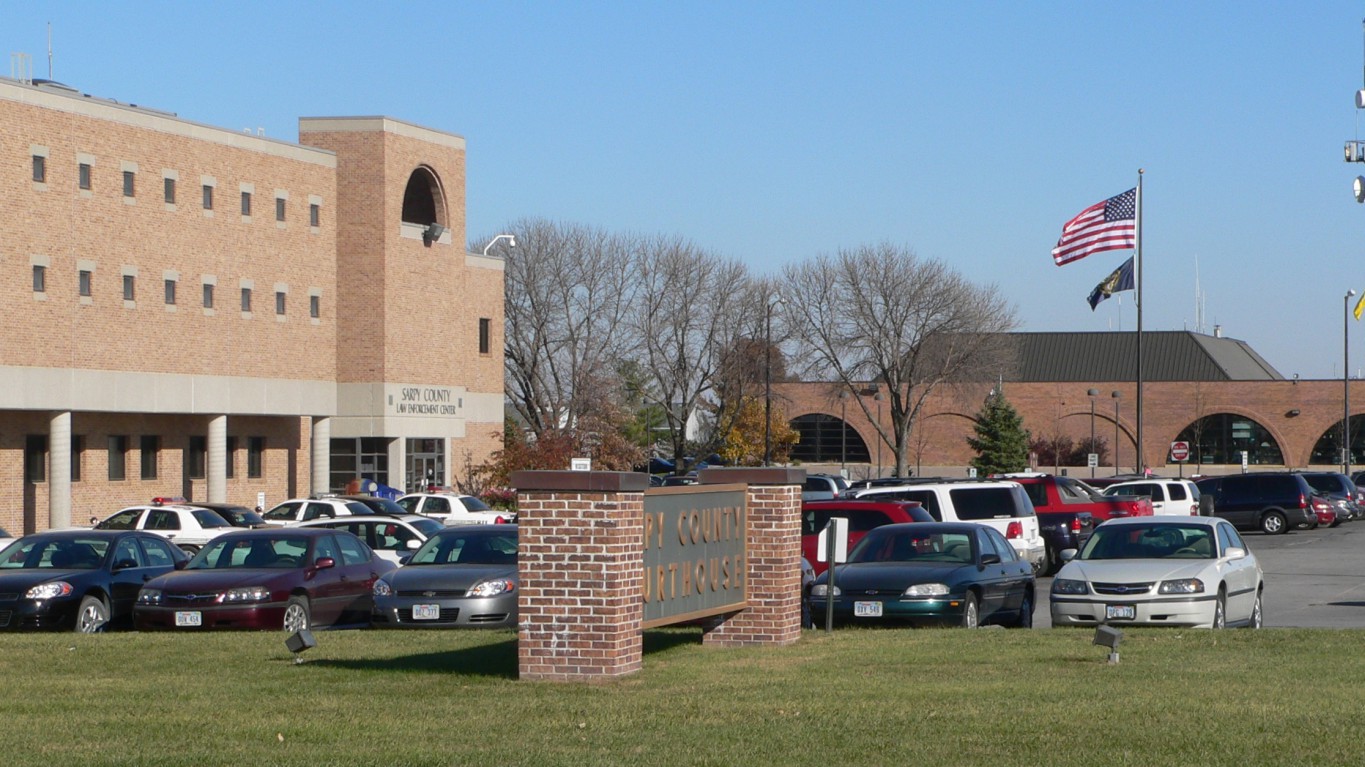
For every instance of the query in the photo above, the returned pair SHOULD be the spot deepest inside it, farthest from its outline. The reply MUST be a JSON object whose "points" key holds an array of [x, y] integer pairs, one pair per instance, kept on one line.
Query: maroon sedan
{"points": [[287, 578]]}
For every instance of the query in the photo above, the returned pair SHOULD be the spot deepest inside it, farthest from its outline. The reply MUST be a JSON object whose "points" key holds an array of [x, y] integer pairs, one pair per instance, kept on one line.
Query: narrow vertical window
{"points": [[84, 175], [230, 460], [35, 458], [485, 335], [170, 292], [208, 197], [314, 214], [197, 457], [246, 203], [77, 451], [255, 457], [129, 287], [279, 301], [150, 448], [39, 278], [85, 280], [315, 306], [170, 190], [208, 296], [246, 299], [279, 208], [39, 168], [118, 457], [129, 183]]}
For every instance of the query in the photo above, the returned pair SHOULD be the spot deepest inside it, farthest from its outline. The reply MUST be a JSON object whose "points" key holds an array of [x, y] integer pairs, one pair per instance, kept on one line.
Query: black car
{"points": [[236, 515], [1340, 490], [377, 505], [1271, 501], [79, 580]]}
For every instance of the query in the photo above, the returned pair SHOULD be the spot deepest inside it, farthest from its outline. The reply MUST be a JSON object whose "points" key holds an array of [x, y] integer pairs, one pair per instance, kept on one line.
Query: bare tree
{"points": [[880, 318], [568, 291], [693, 307]]}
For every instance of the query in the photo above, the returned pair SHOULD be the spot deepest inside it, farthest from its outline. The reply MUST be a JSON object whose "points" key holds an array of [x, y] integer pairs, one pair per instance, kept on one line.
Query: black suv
{"points": [[1272, 502]]}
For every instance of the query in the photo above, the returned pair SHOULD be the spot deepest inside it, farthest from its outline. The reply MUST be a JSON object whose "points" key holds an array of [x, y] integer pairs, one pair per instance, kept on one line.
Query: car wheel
{"points": [[1273, 523], [1220, 611], [1337, 521], [188, 549], [1052, 560], [1025, 612], [1257, 615], [971, 616], [296, 615], [93, 614]]}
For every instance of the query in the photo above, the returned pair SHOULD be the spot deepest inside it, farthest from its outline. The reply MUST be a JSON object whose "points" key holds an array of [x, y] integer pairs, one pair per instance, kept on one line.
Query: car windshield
{"points": [[54, 554], [1151, 541], [241, 517], [249, 553], [382, 506], [207, 518], [427, 527], [474, 504], [909, 545], [474, 547], [283, 512]]}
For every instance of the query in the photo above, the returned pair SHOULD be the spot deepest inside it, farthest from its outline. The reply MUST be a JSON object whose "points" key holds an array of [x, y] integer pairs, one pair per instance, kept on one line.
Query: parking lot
{"points": [[1314, 578]]}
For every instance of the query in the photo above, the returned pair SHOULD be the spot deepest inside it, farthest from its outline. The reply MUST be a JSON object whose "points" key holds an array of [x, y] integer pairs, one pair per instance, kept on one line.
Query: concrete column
{"points": [[580, 567], [773, 570], [398, 465], [217, 459], [322, 454], [59, 471]]}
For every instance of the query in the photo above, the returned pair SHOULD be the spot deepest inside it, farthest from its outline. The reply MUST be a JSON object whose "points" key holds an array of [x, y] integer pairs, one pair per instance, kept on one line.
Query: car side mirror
{"points": [[413, 544], [181, 564], [124, 564], [1234, 552], [990, 559], [324, 563], [1067, 555]]}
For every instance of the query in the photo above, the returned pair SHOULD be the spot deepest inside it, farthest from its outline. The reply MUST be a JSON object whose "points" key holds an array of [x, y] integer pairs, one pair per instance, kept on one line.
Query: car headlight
{"points": [[491, 588], [245, 594], [49, 590], [382, 588], [149, 597], [927, 590], [822, 589], [1068, 586], [1182, 586]]}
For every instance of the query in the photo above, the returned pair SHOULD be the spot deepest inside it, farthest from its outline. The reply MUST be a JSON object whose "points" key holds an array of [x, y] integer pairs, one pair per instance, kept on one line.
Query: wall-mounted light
{"points": [[432, 233], [1292, 414]]}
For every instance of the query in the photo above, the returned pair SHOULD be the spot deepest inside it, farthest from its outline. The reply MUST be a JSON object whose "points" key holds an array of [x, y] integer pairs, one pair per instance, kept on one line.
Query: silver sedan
{"points": [[462, 577]]}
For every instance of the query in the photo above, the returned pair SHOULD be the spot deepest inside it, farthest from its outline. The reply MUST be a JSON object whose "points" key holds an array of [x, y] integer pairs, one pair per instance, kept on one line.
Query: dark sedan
{"points": [[277, 578], [940, 573], [462, 577], [79, 580]]}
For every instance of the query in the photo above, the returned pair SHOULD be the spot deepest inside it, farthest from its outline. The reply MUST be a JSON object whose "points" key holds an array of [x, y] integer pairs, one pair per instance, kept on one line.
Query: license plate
{"points": [[1120, 612], [189, 618], [426, 612], [867, 609]]}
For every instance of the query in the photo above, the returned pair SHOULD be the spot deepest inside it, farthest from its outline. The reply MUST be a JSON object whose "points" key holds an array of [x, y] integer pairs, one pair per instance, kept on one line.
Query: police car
{"points": [[183, 523], [318, 507]]}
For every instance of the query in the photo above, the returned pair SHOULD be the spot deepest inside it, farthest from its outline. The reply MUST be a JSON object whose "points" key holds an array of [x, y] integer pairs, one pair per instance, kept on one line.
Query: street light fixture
{"points": [[1092, 394], [876, 394], [1117, 395], [843, 434], [768, 382], [1346, 383], [511, 242]]}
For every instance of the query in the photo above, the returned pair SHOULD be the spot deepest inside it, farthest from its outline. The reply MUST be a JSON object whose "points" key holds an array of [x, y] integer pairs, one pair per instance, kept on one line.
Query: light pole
{"points": [[1117, 395], [878, 398], [843, 434], [1346, 383], [768, 383], [1092, 394], [511, 242]]}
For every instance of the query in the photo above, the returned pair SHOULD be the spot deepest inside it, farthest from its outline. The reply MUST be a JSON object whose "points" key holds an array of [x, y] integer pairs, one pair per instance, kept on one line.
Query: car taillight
{"points": [[1075, 524], [1015, 530], [1303, 501]]}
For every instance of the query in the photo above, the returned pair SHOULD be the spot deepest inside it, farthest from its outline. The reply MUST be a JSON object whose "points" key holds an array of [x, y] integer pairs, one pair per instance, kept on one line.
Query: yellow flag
{"points": [[1360, 307]]}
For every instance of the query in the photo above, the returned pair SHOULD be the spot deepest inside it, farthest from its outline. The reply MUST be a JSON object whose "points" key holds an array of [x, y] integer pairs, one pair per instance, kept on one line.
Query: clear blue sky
{"points": [[773, 131]]}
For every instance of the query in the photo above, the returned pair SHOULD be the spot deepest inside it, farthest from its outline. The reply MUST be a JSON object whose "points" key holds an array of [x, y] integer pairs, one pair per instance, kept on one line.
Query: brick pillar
{"points": [[580, 563], [774, 560]]}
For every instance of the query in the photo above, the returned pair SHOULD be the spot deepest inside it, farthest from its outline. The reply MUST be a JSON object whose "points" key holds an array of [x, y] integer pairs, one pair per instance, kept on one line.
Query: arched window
{"points": [[423, 201], [1221, 438], [826, 439], [1327, 450]]}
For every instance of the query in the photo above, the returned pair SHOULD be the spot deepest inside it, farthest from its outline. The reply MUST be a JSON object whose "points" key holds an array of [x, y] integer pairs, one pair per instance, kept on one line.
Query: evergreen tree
{"points": [[1001, 441]]}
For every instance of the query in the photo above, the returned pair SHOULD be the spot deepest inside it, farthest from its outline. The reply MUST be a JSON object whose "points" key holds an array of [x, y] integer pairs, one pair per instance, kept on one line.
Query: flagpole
{"points": [[1139, 464]]}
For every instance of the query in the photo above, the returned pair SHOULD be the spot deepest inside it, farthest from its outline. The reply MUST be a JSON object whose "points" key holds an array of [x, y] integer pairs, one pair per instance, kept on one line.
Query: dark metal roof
{"points": [[1176, 355]]}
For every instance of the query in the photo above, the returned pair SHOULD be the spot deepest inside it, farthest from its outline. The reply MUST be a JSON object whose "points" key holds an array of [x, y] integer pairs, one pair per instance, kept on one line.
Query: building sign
{"points": [[439, 401], [694, 557]]}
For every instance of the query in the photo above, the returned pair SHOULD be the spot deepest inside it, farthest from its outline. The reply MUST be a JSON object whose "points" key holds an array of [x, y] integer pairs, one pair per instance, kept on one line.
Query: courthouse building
{"points": [[197, 311]]}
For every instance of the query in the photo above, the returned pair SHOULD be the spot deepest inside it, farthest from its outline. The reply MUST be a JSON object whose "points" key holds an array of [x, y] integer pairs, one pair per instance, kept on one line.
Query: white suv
{"points": [[1001, 504], [305, 509], [1169, 496]]}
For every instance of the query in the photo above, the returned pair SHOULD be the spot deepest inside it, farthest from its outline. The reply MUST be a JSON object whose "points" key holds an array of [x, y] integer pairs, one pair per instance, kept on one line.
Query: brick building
{"points": [[190, 310], [1214, 392]]}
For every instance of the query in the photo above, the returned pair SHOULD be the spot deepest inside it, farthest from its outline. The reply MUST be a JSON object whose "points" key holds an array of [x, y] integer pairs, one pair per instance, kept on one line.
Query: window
{"points": [[246, 203], [35, 458], [170, 292], [39, 169], [314, 214], [85, 279], [129, 185], [279, 208], [83, 172], [485, 335], [196, 458], [255, 457], [170, 190], [77, 451], [39, 278], [118, 457], [208, 197], [150, 447], [208, 295], [279, 301], [246, 299], [314, 306], [230, 460], [129, 287]]}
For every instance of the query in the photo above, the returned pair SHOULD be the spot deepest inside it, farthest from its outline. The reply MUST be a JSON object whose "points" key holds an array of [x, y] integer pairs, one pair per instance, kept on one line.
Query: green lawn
{"points": [[857, 697]]}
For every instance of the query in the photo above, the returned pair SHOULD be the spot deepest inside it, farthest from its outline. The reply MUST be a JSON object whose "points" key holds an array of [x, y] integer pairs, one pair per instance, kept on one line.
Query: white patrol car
{"points": [[181, 522], [318, 507], [454, 509], [392, 538]]}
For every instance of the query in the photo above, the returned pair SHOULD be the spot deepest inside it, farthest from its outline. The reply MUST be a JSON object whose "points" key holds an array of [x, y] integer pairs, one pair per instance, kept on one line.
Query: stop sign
{"points": [[1180, 451]]}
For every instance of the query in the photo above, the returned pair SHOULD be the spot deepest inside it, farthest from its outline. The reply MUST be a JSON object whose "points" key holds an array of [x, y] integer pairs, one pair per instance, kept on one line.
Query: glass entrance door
{"points": [[426, 464]]}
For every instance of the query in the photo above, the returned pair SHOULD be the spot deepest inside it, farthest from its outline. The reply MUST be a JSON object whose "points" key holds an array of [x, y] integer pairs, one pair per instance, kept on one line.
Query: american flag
{"points": [[1107, 225]]}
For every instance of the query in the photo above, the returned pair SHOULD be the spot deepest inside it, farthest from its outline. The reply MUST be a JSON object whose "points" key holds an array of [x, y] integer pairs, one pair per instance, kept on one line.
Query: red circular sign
{"points": [[1180, 451]]}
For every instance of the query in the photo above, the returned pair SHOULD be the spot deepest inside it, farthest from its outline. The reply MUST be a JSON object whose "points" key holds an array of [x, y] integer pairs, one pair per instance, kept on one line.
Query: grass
{"points": [[857, 697]]}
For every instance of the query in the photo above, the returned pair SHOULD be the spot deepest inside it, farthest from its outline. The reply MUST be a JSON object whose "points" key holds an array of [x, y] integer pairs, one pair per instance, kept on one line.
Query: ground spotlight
{"points": [[299, 641], [1108, 636]]}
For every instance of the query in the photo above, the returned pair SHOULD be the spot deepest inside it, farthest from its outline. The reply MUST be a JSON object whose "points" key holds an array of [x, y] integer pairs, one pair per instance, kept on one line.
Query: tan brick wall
{"points": [[773, 575]]}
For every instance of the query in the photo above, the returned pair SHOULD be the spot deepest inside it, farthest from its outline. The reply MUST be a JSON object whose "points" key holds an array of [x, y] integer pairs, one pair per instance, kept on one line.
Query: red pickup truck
{"points": [[1066, 508]]}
